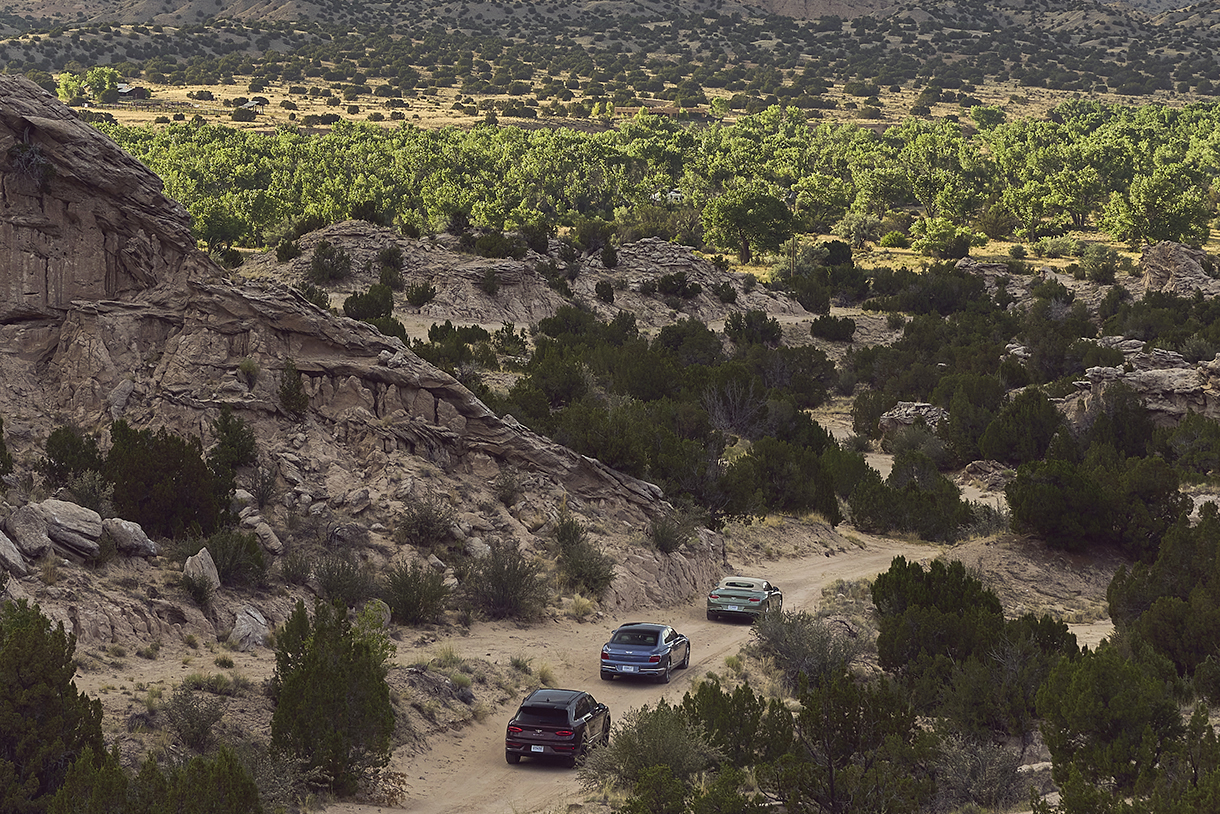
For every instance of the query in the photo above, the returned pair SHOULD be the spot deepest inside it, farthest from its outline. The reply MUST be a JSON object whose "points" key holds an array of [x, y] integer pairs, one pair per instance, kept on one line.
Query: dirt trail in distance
{"points": [[465, 771]]}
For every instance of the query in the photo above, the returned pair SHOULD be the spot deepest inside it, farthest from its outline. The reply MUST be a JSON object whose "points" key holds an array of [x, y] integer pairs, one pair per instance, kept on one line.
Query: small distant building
{"points": [[127, 91]]}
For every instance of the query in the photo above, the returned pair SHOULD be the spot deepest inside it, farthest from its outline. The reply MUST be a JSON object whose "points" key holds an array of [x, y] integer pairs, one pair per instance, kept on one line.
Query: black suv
{"points": [[561, 724]]}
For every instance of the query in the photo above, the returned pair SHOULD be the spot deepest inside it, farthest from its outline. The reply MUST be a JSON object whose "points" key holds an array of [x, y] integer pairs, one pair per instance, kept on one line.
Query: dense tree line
{"points": [[1088, 164]]}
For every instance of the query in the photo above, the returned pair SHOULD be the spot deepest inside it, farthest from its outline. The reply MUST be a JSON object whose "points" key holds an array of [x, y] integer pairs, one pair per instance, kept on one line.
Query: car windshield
{"points": [[542, 716], [644, 637]]}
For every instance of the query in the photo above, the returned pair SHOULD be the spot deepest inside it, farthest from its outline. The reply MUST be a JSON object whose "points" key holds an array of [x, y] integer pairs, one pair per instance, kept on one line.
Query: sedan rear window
{"points": [[542, 716], [645, 637], [749, 586]]}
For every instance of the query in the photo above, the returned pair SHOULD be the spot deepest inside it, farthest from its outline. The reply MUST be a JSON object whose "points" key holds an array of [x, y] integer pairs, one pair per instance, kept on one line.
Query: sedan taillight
{"points": [[713, 596], [605, 655], [654, 659], [755, 599]]}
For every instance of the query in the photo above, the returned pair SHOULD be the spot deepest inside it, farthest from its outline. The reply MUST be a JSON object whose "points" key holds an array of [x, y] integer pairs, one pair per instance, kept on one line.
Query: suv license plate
{"points": [[535, 748], [627, 668]]}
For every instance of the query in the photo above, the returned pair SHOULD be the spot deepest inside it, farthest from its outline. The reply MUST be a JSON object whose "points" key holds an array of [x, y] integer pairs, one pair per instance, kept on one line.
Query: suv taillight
{"points": [[565, 733], [515, 730]]}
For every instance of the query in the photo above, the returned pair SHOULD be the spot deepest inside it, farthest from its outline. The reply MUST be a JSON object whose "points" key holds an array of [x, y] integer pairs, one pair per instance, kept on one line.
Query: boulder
{"points": [[250, 629], [906, 413], [201, 566], [11, 558], [28, 529], [267, 537], [1177, 269], [74, 530], [129, 538]]}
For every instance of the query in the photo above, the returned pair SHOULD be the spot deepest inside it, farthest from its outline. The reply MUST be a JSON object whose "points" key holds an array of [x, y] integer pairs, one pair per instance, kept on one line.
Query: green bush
{"points": [[239, 558], [343, 580], [676, 285], [753, 328], [804, 646], [315, 295], [70, 452], [585, 568], [415, 592], [725, 292], [420, 294], [609, 256], [161, 481], [670, 531], [235, 447], [192, 718], [378, 301], [647, 737], [47, 723], [834, 329], [328, 264], [498, 245], [296, 567], [505, 584], [293, 397], [426, 523], [895, 240], [489, 284], [604, 291], [333, 708], [199, 589]]}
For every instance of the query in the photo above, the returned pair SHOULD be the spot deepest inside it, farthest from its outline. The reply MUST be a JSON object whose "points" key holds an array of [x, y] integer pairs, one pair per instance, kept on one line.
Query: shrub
{"points": [[415, 592], [420, 294], [333, 706], [803, 645], [343, 580], [1017, 252], [647, 737], [834, 329], [192, 718], [391, 278], [609, 256], [91, 490], [293, 397], [199, 589], [676, 285], [604, 291], [161, 481], [315, 295], [248, 369], [725, 292], [670, 531], [753, 328], [47, 722], [70, 452], [297, 567], [489, 284], [506, 584], [425, 523], [585, 568], [378, 301], [239, 558], [895, 240], [329, 263], [498, 245]]}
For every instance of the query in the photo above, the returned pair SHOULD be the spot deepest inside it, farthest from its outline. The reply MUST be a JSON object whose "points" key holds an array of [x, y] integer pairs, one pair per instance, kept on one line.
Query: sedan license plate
{"points": [[627, 668], [535, 748], [733, 607]]}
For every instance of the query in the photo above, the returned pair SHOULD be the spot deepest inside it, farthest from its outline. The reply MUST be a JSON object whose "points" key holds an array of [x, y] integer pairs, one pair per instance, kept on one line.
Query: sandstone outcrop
{"points": [[201, 568], [250, 629], [1177, 269]]}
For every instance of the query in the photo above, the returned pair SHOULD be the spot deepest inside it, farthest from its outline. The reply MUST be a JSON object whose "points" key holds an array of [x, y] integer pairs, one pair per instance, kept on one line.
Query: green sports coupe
{"points": [[743, 597]]}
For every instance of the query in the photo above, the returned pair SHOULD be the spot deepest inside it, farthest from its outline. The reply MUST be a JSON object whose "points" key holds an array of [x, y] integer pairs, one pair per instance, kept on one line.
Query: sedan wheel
{"points": [[607, 676], [511, 758], [711, 617], [664, 677], [685, 659]]}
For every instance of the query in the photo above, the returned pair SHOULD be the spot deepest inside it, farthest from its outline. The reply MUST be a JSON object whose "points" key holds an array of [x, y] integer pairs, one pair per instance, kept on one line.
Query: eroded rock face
{"points": [[201, 566], [79, 218], [250, 629], [1178, 269]]}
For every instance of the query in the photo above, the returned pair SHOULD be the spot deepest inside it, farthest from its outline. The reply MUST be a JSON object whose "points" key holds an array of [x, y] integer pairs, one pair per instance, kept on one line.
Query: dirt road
{"points": [[465, 771]]}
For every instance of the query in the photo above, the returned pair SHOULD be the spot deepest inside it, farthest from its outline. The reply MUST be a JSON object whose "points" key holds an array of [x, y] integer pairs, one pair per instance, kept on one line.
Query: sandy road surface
{"points": [[465, 771]]}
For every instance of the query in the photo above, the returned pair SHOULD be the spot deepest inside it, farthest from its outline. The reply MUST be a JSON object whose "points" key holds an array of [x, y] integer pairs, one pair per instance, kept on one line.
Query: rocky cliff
{"points": [[108, 310]]}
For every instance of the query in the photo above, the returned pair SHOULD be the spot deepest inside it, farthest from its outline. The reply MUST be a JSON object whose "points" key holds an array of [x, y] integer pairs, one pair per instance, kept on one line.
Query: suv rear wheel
{"points": [[512, 758]]}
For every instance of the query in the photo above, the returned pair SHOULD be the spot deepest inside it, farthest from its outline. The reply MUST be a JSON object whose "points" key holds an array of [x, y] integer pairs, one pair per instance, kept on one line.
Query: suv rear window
{"points": [[542, 716]]}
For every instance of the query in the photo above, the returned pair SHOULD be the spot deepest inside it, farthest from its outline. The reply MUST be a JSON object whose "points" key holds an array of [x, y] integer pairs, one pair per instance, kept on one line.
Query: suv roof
{"points": [[552, 698]]}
